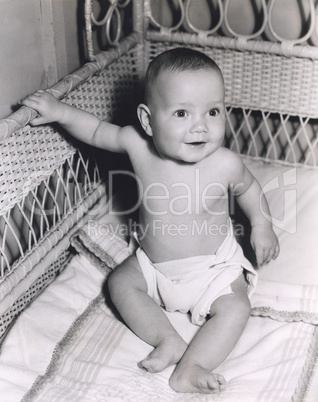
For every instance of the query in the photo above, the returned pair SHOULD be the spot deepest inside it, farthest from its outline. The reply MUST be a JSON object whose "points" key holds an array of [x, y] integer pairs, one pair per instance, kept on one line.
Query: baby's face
{"points": [[188, 114]]}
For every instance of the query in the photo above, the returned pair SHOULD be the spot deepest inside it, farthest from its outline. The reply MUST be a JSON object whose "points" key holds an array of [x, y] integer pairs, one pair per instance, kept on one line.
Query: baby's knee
{"points": [[241, 299], [124, 279], [242, 306], [234, 305]]}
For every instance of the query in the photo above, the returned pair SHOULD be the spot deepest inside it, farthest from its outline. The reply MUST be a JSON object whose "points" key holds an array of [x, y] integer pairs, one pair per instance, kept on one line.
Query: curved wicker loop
{"points": [[245, 37], [114, 5], [196, 30], [108, 14], [148, 13], [113, 10], [295, 41]]}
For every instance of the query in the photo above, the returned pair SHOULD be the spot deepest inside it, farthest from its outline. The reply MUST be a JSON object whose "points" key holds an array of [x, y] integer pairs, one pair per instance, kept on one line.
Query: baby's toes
{"points": [[221, 380]]}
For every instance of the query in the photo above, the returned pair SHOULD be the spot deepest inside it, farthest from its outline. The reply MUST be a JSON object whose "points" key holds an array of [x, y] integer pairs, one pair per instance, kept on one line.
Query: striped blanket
{"points": [[275, 359]]}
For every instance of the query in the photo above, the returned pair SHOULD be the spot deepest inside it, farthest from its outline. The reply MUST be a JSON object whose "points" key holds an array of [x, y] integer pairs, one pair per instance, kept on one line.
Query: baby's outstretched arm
{"points": [[263, 238], [82, 125]]}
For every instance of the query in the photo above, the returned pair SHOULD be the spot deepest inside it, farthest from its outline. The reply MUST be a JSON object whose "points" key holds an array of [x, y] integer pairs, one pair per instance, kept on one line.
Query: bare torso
{"points": [[184, 207]]}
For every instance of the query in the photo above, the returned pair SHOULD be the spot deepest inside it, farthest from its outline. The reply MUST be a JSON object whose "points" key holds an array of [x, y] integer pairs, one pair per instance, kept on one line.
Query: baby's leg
{"points": [[213, 343], [128, 291]]}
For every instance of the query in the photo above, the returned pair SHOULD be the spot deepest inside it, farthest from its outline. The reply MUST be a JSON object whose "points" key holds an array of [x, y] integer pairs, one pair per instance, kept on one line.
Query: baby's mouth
{"points": [[196, 143]]}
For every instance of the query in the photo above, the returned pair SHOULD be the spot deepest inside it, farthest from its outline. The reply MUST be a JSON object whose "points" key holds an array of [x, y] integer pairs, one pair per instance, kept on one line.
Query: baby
{"points": [[188, 259]]}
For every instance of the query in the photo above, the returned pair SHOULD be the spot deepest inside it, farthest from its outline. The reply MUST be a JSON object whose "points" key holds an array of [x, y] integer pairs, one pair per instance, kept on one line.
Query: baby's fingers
{"points": [[37, 121], [33, 100], [47, 106], [276, 252], [260, 257], [265, 255], [32, 105], [272, 253]]}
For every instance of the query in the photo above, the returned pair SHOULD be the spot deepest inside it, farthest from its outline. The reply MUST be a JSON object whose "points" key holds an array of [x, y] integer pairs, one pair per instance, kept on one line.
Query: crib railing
{"points": [[49, 185]]}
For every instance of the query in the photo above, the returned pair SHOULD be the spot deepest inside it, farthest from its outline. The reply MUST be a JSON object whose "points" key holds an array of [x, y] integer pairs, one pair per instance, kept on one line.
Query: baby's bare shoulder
{"points": [[131, 135], [129, 132], [229, 163], [229, 158], [135, 139]]}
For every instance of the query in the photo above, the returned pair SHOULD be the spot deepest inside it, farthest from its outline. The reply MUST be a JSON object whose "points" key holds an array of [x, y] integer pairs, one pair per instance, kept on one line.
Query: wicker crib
{"points": [[51, 186]]}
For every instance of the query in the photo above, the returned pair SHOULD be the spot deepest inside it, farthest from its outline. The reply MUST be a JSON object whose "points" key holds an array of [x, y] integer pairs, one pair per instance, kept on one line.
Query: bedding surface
{"points": [[69, 345], [28, 348], [97, 361], [292, 194]]}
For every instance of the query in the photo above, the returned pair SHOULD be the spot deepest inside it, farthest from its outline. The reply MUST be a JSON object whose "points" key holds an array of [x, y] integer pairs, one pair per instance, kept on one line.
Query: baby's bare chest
{"points": [[183, 191]]}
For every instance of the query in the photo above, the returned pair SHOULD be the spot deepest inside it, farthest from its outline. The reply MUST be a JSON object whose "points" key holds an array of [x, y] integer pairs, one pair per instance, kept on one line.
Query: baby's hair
{"points": [[177, 59]]}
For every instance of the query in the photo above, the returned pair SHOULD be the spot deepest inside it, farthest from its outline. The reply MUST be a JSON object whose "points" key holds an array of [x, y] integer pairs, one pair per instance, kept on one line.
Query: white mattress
{"points": [[27, 350], [69, 346]]}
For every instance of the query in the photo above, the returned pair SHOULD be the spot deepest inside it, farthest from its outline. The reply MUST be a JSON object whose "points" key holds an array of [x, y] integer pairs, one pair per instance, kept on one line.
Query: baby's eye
{"points": [[214, 112], [180, 113]]}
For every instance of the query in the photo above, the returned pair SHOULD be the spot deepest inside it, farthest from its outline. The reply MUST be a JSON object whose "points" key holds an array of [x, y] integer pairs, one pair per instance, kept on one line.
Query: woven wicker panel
{"points": [[273, 136], [269, 82], [43, 281], [31, 154], [44, 207], [256, 122], [40, 170], [27, 157], [113, 90], [262, 81]]}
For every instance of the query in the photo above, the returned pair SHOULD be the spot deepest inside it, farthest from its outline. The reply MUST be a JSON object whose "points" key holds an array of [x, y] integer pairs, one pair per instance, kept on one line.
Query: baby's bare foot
{"points": [[167, 353], [191, 378]]}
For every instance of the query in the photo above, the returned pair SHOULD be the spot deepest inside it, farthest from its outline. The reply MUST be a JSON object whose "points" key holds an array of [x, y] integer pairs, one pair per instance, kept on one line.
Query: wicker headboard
{"points": [[48, 184], [271, 81]]}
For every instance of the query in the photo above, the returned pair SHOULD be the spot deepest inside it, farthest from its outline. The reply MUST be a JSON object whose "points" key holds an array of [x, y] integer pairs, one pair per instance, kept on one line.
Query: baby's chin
{"points": [[189, 153], [196, 154]]}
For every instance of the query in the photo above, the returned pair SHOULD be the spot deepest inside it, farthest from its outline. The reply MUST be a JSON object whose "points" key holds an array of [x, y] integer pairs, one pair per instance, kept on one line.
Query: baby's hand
{"points": [[48, 107], [265, 244]]}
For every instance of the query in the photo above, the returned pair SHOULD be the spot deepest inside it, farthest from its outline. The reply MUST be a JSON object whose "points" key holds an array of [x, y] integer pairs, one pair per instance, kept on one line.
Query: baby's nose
{"points": [[198, 125]]}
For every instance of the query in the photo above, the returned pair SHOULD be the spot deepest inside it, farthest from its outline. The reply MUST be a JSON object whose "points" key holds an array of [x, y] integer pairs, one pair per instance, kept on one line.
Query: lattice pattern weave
{"points": [[29, 156], [105, 93]]}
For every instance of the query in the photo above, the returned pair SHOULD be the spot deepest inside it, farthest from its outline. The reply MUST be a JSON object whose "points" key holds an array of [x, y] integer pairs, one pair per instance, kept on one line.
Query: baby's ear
{"points": [[144, 114]]}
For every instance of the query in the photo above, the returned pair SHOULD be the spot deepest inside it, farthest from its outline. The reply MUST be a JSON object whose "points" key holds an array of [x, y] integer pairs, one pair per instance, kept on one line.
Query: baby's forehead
{"points": [[184, 74], [172, 74], [166, 81]]}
